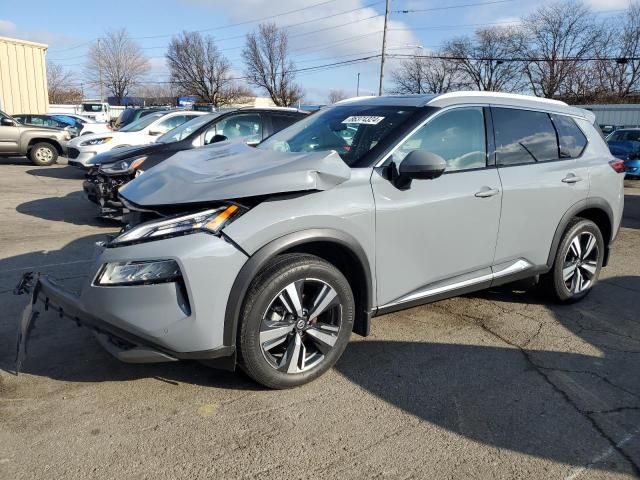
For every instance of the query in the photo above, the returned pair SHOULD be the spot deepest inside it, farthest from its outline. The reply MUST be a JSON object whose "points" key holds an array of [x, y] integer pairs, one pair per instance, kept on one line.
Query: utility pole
{"points": [[358, 86], [100, 69], [384, 48]]}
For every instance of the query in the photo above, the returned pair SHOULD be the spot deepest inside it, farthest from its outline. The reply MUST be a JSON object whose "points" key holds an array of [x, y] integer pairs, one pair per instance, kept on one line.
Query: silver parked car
{"points": [[270, 257]]}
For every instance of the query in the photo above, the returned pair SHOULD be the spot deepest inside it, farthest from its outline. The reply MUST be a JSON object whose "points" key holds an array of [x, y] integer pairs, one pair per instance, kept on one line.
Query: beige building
{"points": [[23, 77]]}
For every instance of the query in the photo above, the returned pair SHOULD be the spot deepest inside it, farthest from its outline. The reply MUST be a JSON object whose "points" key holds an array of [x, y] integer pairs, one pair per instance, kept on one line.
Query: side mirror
{"points": [[7, 122], [217, 138], [419, 165]]}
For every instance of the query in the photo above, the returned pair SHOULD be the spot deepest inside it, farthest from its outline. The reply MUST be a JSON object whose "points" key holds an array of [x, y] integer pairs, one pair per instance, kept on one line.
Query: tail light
{"points": [[617, 165]]}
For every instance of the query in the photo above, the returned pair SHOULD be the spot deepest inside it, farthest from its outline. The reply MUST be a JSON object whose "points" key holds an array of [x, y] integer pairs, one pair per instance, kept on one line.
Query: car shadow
{"points": [[73, 208], [61, 172], [15, 161]]}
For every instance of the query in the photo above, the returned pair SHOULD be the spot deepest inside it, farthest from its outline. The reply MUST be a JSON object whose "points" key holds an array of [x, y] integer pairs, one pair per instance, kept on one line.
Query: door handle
{"points": [[571, 178], [487, 192]]}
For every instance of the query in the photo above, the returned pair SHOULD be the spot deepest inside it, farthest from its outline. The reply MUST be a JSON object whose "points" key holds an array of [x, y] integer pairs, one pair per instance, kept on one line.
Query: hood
{"points": [[229, 170], [125, 153]]}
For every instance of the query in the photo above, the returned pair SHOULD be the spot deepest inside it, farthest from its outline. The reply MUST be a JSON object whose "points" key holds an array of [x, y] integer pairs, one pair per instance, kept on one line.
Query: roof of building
{"points": [[23, 42]]}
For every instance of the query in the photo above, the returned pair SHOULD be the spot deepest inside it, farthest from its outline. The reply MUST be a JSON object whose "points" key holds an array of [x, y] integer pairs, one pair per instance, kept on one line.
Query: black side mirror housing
{"points": [[217, 138], [7, 122], [418, 165]]}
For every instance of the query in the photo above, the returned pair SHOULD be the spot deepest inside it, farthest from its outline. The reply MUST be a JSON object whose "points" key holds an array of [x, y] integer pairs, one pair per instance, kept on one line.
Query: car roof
{"points": [[471, 97]]}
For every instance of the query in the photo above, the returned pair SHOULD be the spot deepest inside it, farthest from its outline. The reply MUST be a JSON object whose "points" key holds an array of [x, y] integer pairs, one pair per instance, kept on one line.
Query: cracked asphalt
{"points": [[498, 384]]}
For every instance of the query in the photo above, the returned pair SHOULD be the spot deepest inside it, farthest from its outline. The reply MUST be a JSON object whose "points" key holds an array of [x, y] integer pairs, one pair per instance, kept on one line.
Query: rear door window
{"points": [[571, 139], [524, 136], [280, 122]]}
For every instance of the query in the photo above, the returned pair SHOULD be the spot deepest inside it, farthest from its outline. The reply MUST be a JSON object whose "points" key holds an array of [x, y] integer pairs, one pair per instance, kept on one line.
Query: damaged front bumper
{"points": [[103, 191], [147, 323]]}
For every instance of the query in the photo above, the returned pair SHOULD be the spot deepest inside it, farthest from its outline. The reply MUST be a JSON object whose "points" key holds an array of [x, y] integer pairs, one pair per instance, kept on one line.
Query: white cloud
{"points": [[7, 28], [598, 5], [342, 34], [10, 29]]}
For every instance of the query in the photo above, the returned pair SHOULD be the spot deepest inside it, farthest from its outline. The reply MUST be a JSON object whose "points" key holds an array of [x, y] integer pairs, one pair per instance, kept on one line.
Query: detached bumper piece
{"points": [[122, 344]]}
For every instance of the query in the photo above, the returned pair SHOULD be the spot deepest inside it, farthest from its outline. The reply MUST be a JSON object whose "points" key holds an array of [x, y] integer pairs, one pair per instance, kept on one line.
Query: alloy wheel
{"points": [[581, 262], [301, 325]]}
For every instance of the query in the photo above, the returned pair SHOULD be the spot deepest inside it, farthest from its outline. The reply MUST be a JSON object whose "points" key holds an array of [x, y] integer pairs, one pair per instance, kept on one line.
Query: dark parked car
{"points": [[625, 145], [130, 115], [113, 169], [52, 121]]}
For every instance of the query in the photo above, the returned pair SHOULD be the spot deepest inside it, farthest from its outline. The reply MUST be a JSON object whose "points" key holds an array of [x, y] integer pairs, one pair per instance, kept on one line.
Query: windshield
{"points": [[350, 130], [186, 129], [142, 122]]}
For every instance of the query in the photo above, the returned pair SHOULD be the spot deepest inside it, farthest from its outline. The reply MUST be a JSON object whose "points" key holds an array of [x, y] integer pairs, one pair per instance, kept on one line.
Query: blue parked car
{"points": [[625, 145]]}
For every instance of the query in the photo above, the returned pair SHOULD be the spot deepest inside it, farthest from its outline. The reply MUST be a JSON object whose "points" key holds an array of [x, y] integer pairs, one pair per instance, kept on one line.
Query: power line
{"points": [[450, 7], [252, 21], [246, 22], [518, 59]]}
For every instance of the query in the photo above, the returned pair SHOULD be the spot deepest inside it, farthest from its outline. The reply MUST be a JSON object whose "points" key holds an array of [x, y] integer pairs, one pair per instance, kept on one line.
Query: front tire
{"points": [[296, 321], [577, 263], [43, 154]]}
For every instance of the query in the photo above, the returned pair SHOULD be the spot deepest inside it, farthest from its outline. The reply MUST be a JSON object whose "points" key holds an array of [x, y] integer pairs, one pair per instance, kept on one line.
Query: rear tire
{"points": [[43, 154], [577, 264], [296, 321]]}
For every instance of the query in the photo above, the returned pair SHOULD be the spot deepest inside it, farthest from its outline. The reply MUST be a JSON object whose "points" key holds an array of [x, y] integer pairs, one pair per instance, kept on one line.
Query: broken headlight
{"points": [[137, 273], [123, 166], [210, 221]]}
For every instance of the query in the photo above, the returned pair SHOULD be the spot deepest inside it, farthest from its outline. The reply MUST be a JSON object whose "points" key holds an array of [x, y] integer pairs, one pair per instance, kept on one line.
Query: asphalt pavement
{"points": [[498, 384]]}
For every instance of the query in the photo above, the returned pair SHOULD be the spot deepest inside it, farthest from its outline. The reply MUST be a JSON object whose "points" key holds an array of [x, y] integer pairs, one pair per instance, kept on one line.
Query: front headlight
{"points": [[96, 141], [209, 221], [137, 273], [123, 166]]}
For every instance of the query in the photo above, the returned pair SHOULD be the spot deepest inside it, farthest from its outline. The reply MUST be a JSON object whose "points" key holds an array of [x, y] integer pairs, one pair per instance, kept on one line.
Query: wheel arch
{"points": [[595, 209], [339, 248], [50, 141]]}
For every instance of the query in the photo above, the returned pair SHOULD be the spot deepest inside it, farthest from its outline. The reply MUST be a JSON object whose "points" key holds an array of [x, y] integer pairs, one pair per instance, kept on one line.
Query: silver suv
{"points": [[270, 257]]}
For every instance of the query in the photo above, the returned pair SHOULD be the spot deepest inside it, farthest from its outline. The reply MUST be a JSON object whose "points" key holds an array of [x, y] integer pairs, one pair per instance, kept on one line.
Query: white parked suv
{"points": [[141, 132]]}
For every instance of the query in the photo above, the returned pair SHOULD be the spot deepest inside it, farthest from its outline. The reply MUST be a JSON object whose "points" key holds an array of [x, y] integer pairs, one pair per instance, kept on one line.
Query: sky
{"points": [[320, 32]]}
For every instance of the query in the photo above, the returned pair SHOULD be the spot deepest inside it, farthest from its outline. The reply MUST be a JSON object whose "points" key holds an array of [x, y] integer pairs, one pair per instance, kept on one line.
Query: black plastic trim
{"points": [[574, 211], [267, 252]]}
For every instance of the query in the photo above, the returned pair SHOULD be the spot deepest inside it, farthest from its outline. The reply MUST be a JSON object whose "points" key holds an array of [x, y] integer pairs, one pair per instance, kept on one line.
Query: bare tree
{"points": [[266, 57], [118, 62], [481, 59], [558, 38], [61, 86], [337, 95], [156, 94], [617, 68], [198, 68], [422, 74]]}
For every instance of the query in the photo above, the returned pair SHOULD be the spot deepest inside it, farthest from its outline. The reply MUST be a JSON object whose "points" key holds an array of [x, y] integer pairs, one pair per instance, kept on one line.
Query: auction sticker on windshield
{"points": [[366, 120]]}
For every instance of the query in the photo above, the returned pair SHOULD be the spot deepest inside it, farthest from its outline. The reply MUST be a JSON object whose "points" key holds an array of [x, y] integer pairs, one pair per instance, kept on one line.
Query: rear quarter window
{"points": [[571, 140]]}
